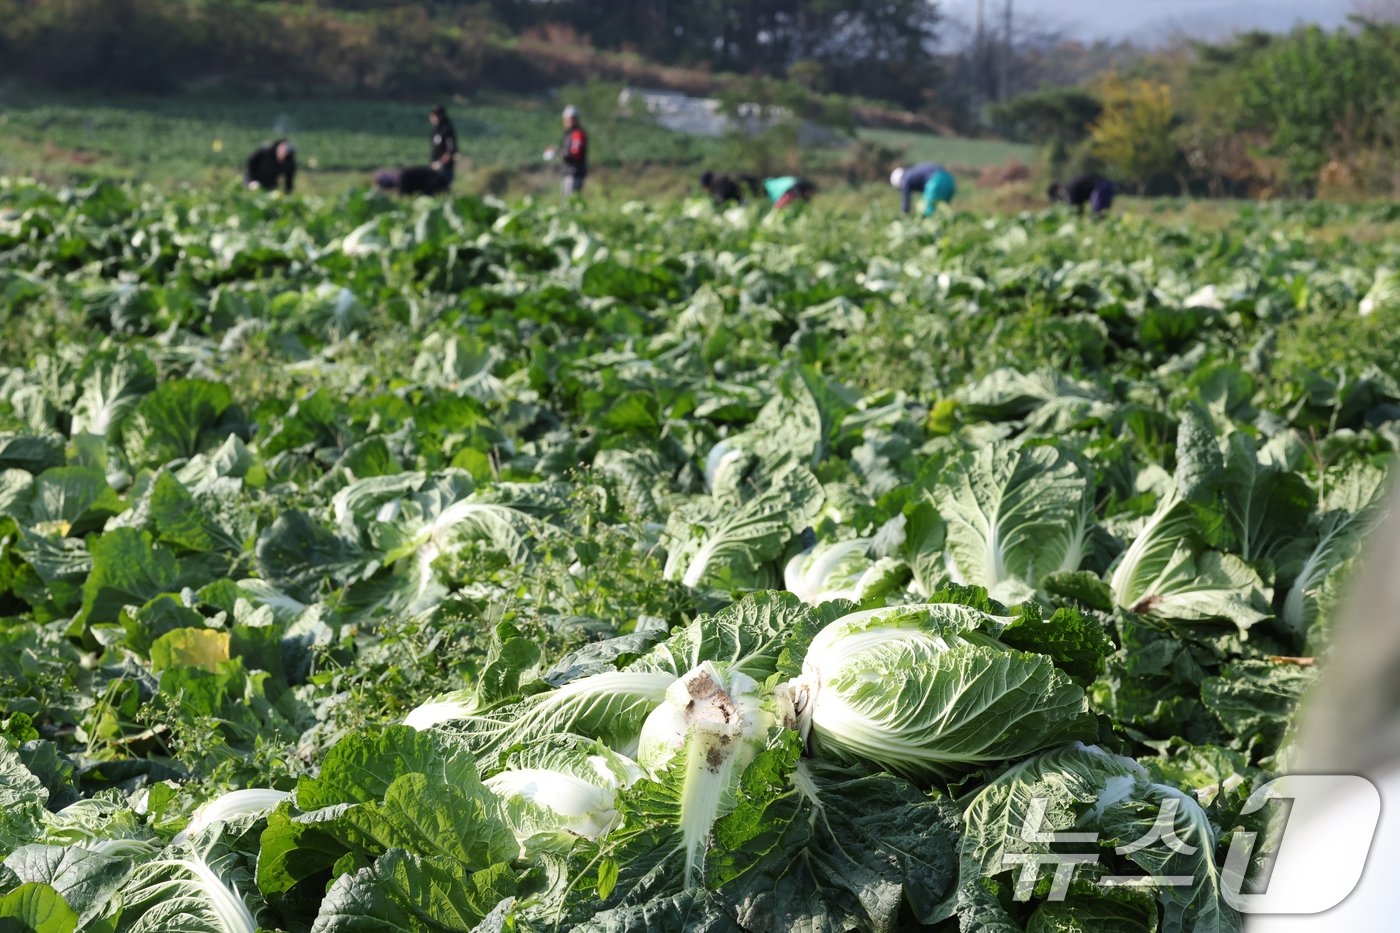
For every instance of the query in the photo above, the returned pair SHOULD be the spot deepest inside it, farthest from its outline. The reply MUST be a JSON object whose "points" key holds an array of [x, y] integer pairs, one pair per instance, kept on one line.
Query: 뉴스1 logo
{"points": [[1324, 826]]}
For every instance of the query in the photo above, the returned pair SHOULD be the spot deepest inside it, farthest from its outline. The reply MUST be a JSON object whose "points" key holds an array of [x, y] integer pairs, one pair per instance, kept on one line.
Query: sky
{"points": [[1147, 21]]}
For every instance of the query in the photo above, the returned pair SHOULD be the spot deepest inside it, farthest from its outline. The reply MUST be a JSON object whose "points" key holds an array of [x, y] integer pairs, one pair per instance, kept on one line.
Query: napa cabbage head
{"points": [[928, 692], [1015, 515], [839, 570], [562, 784], [725, 464]]}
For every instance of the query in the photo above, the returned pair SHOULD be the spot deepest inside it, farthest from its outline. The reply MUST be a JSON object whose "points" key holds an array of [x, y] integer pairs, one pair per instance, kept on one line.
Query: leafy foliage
{"points": [[416, 565]]}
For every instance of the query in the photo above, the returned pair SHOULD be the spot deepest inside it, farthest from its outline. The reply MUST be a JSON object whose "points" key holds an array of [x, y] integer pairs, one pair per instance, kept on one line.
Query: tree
{"points": [[1134, 134], [1062, 114], [1317, 95], [876, 48], [1010, 50]]}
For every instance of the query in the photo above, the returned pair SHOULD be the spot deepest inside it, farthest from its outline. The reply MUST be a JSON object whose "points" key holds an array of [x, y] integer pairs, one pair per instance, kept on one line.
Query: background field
{"points": [[195, 140], [174, 141]]}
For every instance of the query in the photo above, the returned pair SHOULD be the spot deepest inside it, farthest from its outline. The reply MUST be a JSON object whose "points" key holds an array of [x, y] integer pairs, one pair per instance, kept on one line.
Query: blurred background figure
{"points": [[416, 179], [270, 162], [1091, 189], [443, 153], [932, 179], [572, 152], [787, 190], [725, 189]]}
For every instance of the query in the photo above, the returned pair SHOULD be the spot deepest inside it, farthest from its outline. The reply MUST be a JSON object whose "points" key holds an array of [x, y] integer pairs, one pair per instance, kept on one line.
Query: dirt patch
{"points": [[54, 153], [999, 176]]}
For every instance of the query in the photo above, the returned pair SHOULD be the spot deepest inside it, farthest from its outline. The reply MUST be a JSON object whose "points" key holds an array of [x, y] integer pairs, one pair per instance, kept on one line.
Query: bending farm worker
{"points": [[1090, 188], [726, 188], [939, 190], [572, 152], [415, 179], [788, 189], [931, 178], [270, 162]]}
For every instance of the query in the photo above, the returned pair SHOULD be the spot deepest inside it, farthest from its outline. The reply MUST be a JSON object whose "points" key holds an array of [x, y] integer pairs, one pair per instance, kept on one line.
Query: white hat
{"points": [[897, 178], [570, 112]]}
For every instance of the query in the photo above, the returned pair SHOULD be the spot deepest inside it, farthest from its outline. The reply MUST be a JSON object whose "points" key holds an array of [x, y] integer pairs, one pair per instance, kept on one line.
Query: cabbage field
{"points": [[450, 566]]}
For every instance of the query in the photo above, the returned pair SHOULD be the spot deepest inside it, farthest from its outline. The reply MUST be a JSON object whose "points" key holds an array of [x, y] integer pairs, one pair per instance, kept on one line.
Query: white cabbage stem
{"points": [[445, 708], [229, 807]]}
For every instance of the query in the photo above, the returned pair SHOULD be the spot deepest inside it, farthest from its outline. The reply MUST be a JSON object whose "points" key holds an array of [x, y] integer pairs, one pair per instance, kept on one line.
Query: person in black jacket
{"points": [[1089, 188], [413, 179], [443, 155], [726, 188], [572, 152], [270, 162]]}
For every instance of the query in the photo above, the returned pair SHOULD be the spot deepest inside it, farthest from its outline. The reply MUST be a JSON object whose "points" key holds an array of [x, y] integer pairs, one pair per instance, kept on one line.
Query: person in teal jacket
{"points": [[933, 179], [787, 189]]}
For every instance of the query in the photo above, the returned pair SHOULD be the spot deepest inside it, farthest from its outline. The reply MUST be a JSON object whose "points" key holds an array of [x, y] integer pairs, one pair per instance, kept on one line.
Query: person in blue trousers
{"points": [[934, 181]]}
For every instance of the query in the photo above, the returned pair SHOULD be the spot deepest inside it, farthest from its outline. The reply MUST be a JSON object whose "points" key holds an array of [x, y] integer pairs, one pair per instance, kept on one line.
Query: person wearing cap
{"points": [[934, 180], [572, 153], [269, 163], [443, 154], [1089, 188], [788, 189], [728, 188]]}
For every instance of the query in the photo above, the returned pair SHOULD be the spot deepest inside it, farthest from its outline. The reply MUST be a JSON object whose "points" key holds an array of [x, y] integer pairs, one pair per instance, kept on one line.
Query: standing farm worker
{"points": [[935, 181], [572, 152], [726, 188], [443, 155], [787, 190], [1089, 188], [268, 163]]}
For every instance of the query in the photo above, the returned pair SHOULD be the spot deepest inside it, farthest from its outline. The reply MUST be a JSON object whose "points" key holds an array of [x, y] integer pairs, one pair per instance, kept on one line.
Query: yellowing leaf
{"points": [[204, 648]]}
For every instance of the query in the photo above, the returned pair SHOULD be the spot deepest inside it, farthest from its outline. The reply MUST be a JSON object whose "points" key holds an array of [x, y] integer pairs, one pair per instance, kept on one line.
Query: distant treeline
{"points": [[161, 45], [874, 48], [1307, 112]]}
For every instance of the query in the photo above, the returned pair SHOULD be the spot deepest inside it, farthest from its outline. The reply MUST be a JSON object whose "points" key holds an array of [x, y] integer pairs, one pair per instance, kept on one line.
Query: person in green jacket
{"points": [[787, 190]]}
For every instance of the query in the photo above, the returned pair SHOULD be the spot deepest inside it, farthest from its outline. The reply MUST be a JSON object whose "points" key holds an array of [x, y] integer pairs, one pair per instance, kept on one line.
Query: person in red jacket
{"points": [[572, 153]]}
